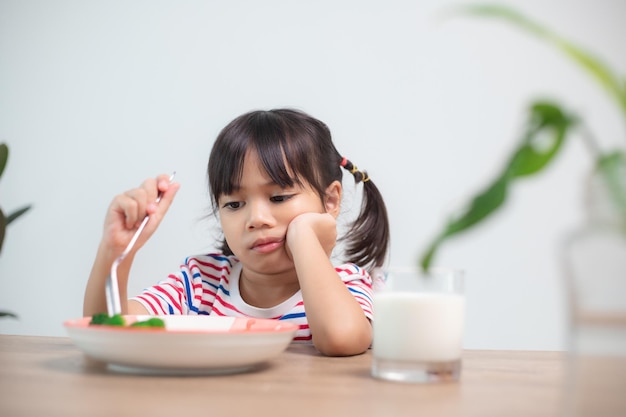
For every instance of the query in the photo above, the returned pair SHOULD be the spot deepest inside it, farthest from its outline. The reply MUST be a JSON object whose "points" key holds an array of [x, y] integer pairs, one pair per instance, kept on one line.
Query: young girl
{"points": [[275, 181]]}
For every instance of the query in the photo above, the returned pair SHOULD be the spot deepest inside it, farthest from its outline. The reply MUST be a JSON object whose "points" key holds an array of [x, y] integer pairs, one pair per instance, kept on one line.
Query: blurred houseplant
{"points": [[5, 220], [594, 255], [546, 120]]}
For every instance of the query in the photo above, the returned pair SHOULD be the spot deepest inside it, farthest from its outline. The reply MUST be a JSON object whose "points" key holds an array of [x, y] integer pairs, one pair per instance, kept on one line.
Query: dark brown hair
{"points": [[290, 136]]}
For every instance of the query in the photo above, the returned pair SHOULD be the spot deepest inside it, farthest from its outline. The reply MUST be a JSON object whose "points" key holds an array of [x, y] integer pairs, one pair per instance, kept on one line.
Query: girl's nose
{"points": [[259, 215]]}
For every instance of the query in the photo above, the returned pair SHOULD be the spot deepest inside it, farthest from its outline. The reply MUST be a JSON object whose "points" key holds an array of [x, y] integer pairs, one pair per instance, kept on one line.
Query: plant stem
{"points": [[590, 141]]}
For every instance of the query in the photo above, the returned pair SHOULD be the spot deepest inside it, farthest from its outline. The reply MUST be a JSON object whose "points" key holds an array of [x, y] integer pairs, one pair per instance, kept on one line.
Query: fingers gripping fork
{"points": [[114, 305]]}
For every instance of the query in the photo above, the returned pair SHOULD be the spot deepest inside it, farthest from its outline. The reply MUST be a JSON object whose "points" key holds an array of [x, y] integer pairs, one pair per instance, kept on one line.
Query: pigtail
{"points": [[367, 241]]}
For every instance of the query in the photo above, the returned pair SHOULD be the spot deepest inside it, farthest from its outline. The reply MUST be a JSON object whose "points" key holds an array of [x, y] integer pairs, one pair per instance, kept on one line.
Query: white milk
{"points": [[418, 326]]}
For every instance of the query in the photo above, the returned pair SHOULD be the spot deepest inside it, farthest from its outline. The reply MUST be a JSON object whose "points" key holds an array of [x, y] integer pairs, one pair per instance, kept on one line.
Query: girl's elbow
{"points": [[343, 343]]}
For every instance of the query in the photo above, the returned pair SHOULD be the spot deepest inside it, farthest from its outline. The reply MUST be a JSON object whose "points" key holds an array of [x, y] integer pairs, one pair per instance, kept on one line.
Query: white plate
{"points": [[187, 345]]}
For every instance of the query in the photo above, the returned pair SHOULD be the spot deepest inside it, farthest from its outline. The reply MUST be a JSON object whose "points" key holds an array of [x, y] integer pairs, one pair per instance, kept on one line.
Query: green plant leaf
{"points": [[3, 228], [7, 314], [614, 86], [545, 133], [6, 220], [17, 213], [4, 156]]}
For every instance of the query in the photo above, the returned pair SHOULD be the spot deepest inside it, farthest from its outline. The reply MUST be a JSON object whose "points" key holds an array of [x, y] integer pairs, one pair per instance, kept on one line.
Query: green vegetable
{"points": [[103, 319], [106, 320], [152, 322]]}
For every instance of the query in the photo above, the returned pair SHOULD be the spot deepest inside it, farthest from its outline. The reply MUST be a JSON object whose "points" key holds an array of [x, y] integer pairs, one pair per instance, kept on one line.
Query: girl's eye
{"points": [[280, 198], [233, 205]]}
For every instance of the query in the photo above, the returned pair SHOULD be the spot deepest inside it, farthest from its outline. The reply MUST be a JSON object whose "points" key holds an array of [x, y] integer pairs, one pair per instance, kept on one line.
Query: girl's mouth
{"points": [[267, 245]]}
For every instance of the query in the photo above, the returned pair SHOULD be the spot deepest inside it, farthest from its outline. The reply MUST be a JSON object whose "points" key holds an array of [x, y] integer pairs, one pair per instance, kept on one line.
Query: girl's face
{"points": [[255, 217]]}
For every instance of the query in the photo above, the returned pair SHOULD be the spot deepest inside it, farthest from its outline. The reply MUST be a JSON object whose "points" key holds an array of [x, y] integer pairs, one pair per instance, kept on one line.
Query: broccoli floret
{"points": [[116, 320], [99, 318], [152, 322], [103, 319], [106, 320]]}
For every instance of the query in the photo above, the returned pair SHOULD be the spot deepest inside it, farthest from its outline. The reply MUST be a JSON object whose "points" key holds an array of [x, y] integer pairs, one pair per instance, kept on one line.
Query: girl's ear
{"points": [[332, 198]]}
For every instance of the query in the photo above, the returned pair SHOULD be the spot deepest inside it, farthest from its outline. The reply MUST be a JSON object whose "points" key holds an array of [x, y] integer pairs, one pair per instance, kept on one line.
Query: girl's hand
{"points": [[127, 211], [311, 228], [310, 241]]}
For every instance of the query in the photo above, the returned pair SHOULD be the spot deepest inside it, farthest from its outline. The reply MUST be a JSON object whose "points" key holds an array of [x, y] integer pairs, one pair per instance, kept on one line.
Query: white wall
{"points": [[95, 96]]}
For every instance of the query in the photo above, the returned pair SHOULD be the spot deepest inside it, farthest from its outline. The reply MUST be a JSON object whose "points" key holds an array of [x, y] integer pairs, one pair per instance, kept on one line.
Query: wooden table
{"points": [[49, 376]]}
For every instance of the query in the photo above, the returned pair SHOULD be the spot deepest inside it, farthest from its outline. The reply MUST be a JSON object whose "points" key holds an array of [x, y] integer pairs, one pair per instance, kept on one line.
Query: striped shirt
{"points": [[209, 284]]}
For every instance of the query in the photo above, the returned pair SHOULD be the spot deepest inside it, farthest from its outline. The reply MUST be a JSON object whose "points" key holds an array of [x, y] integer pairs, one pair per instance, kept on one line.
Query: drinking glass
{"points": [[418, 325], [594, 256]]}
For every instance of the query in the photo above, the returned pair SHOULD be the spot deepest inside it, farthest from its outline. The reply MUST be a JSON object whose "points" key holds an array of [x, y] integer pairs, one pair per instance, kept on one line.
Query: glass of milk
{"points": [[418, 325]]}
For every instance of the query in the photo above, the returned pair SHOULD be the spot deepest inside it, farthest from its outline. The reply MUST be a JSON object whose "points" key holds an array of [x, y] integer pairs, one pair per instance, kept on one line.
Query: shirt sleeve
{"points": [[191, 290], [359, 283]]}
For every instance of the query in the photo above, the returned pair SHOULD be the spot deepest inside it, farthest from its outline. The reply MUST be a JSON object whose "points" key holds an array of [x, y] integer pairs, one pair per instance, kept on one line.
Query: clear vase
{"points": [[595, 271]]}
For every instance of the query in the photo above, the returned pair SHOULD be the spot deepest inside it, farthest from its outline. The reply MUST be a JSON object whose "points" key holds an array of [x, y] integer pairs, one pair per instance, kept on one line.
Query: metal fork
{"points": [[114, 306]]}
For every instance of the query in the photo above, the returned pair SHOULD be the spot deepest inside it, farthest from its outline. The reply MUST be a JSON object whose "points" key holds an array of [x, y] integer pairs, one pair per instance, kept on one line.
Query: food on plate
{"points": [[151, 322], [103, 319]]}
